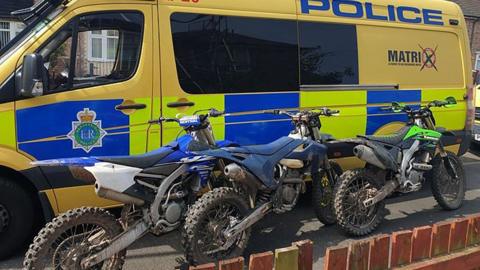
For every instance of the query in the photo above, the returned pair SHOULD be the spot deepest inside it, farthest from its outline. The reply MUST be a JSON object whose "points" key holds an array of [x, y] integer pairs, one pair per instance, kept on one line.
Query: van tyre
{"points": [[447, 191], [348, 203], [39, 255], [18, 218], [323, 194], [199, 222]]}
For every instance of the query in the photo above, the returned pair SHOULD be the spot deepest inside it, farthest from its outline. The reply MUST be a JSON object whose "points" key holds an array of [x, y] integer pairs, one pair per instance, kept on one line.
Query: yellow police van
{"points": [[85, 76]]}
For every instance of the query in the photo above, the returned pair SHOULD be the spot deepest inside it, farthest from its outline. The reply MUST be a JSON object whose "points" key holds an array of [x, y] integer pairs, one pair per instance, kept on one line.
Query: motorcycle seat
{"points": [[393, 139], [264, 150], [141, 161]]}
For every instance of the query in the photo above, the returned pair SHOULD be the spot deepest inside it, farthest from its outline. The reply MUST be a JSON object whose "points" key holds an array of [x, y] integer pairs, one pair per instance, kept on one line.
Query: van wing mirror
{"points": [[31, 80]]}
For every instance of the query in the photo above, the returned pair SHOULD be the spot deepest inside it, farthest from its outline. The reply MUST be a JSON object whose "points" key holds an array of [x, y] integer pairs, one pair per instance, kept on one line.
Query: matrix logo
{"points": [[425, 58]]}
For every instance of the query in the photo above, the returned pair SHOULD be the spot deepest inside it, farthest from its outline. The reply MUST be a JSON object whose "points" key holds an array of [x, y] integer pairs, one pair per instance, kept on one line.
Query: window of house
{"points": [[102, 45], [93, 50], [8, 30], [226, 54], [328, 54]]}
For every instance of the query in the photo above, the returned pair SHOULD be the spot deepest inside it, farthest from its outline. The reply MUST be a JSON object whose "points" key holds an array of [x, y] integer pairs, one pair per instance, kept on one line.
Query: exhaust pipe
{"points": [[366, 153], [117, 196]]}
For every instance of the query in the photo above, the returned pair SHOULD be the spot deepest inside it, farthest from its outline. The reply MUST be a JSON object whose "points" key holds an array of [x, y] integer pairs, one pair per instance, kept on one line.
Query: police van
{"points": [[85, 76]]}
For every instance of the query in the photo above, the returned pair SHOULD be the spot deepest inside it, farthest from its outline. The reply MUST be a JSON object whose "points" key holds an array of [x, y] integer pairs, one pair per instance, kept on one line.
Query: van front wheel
{"points": [[17, 218]]}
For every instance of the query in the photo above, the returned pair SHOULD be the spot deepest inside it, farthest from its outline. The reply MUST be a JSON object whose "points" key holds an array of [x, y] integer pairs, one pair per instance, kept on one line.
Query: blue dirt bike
{"points": [[266, 178], [156, 188]]}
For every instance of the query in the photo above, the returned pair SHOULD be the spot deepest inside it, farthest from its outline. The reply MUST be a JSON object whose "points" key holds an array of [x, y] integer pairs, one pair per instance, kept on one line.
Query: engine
{"points": [[417, 167], [286, 196]]}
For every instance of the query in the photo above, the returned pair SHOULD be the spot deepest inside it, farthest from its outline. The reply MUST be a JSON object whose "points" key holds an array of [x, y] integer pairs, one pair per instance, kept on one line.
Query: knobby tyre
{"points": [[323, 194], [65, 241], [353, 217], [207, 219], [448, 191]]}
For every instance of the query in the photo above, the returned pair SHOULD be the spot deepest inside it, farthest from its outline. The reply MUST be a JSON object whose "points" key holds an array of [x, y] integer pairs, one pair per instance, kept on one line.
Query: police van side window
{"points": [[92, 50], [224, 54], [328, 54]]}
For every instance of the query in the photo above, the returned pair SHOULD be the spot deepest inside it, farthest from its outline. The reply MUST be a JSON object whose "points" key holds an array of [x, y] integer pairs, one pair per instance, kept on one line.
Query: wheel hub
{"points": [[4, 218]]}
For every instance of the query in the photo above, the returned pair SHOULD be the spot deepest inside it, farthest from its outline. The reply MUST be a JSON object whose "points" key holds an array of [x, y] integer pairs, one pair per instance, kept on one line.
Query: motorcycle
{"points": [[399, 163], [156, 189], [266, 178], [307, 126]]}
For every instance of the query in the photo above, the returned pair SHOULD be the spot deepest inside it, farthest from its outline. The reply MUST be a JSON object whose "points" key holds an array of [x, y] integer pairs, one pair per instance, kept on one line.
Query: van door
{"points": [[97, 95], [98, 90]]}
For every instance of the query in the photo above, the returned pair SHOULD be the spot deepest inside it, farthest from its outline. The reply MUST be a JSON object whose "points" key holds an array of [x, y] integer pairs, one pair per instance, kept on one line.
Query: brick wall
{"points": [[474, 36]]}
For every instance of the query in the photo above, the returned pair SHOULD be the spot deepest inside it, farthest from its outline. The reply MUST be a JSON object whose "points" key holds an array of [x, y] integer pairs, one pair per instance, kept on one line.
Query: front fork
{"points": [[451, 170]]}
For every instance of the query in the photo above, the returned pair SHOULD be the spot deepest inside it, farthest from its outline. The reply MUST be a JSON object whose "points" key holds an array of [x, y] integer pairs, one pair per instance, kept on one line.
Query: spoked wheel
{"points": [[207, 220], [323, 193], [72, 237], [449, 191], [353, 188]]}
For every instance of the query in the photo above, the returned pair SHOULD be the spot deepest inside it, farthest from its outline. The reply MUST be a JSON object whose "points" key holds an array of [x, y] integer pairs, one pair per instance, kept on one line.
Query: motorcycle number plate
{"points": [[477, 137]]}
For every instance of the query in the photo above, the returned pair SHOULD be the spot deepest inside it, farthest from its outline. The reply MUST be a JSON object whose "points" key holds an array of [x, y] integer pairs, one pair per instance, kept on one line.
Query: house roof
{"points": [[11, 5], [471, 8]]}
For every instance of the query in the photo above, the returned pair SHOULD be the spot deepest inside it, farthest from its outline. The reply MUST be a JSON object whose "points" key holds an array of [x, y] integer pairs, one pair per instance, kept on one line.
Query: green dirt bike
{"points": [[399, 163]]}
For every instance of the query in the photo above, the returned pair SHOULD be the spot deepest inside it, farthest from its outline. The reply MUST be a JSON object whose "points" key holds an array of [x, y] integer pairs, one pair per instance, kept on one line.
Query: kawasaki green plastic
{"points": [[422, 134]]}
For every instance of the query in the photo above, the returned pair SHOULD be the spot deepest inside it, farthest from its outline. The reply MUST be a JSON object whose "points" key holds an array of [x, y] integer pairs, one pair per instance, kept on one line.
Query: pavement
{"points": [[276, 231]]}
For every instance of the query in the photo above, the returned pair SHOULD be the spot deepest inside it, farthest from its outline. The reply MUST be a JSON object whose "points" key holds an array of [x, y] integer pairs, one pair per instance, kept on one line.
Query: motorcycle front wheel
{"points": [[352, 189], [322, 194], [207, 220], [69, 238], [448, 191]]}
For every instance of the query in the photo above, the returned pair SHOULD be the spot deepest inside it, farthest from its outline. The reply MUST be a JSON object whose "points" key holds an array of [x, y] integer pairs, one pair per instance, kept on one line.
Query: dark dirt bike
{"points": [[267, 178], [308, 125], [399, 163]]}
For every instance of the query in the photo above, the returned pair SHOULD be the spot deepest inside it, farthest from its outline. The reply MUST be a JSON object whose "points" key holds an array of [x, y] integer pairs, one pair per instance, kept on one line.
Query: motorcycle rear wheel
{"points": [[57, 247], [353, 217]]}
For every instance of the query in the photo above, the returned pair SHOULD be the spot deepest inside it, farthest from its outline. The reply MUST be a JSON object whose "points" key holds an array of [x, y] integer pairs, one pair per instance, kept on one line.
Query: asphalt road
{"points": [[275, 231]]}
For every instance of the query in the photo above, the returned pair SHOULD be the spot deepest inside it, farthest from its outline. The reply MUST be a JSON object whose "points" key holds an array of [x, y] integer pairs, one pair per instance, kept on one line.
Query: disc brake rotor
{"points": [[4, 218]]}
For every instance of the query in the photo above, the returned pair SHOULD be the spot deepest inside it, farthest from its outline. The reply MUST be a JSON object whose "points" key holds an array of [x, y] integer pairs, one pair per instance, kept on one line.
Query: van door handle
{"points": [[135, 106]]}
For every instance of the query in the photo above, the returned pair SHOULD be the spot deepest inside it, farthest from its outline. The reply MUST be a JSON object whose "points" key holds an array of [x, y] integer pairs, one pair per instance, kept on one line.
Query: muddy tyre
{"points": [[205, 222], [353, 217], [323, 193], [448, 191], [57, 243]]}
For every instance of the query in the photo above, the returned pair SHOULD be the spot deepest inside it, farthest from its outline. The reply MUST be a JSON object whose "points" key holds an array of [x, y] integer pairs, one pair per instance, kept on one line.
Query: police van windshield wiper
{"points": [[31, 14]]}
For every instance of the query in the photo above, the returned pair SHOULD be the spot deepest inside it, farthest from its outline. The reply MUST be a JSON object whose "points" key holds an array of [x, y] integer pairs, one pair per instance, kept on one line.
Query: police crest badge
{"points": [[87, 132]]}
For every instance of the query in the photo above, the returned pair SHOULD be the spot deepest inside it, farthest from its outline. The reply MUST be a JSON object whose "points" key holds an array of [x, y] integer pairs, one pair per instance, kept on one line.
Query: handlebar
{"points": [[323, 111], [211, 113]]}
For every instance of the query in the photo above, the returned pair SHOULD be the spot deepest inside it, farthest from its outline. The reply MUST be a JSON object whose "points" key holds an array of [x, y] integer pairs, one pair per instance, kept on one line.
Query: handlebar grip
{"points": [[215, 113]]}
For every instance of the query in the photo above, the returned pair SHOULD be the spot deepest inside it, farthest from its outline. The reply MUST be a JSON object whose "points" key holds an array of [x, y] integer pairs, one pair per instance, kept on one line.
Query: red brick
{"points": [[336, 258], [422, 242], [401, 248], [262, 261], [458, 236], [305, 254], [210, 266], [358, 255], [473, 231], [379, 252], [440, 239], [232, 264]]}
